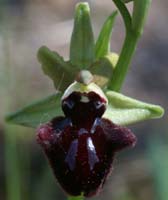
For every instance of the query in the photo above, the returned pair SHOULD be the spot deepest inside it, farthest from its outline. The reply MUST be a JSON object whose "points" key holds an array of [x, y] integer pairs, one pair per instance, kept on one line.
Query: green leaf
{"points": [[56, 68], [102, 69], [102, 46], [82, 40], [124, 110], [38, 112]]}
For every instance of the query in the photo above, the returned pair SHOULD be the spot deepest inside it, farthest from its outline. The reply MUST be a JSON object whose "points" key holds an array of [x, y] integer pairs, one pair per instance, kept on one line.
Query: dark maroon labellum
{"points": [[81, 146]]}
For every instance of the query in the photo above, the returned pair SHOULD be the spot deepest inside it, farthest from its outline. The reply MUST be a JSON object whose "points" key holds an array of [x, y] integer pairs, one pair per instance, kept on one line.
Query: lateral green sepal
{"points": [[38, 112], [124, 110]]}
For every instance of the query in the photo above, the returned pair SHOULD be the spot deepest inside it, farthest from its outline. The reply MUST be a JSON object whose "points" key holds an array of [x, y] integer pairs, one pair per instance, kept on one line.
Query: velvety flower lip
{"points": [[81, 159], [81, 146]]}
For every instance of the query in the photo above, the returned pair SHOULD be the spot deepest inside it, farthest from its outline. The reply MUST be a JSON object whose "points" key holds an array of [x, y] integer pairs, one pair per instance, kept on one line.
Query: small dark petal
{"points": [[119, 137], [44, 135]]}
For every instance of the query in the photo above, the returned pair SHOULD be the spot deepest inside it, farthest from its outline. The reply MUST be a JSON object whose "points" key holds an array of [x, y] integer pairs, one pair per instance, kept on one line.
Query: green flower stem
{"points": [[134, 28], [76, 198], [125, 14], [127, 1], [123, 62]]}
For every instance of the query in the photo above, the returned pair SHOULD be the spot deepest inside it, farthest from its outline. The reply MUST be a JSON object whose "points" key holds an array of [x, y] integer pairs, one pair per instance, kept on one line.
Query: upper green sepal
{"points": [[102, 46], [38, 112], [124, 110], [82, 40], [56, 68]]}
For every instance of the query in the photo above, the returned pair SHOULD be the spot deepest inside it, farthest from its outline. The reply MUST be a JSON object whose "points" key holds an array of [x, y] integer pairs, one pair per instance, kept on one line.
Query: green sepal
{"points": [[102, 69], [38, 112], [124, 110], [102, 46], [82, 40], [56, 68]]}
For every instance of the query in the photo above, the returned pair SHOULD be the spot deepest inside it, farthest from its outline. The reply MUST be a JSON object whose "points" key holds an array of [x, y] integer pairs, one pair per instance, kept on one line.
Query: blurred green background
{"points": [[25, 25]]}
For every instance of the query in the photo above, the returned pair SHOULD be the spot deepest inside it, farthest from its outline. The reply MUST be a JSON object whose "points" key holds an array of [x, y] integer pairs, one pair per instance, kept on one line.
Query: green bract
{"points": [[108, 69]]}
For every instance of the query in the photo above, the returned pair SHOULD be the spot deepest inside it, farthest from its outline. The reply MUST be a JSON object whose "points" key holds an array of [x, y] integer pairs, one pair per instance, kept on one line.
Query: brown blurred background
{"points": [[25, 25]]}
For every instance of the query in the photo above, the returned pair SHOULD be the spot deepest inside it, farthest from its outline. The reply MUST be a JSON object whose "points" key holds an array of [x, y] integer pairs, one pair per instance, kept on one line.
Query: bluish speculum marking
{"points": [[71, 155], [92, 156]]}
